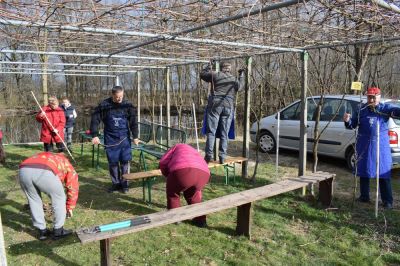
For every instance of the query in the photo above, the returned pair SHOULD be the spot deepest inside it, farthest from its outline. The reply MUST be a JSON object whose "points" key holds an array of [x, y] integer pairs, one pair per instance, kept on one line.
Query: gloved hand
{"points": [[69, 214]]}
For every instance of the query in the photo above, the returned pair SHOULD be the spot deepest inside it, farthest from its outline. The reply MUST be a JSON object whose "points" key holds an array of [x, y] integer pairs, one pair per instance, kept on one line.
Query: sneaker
{"points": [[61, 232], [113, 188], [387, 205], [125, 190], [201, 224], [207, 159], [43, 233], [363, 200]]}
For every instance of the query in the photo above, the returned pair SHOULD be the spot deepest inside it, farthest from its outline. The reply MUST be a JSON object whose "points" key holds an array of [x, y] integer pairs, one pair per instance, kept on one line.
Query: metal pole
{"points": [[3, 257], [98, 56], [195, 127], [377, 167], [168, 107], [117, 81], [246, 123], [140, 34], [303, 116], [138, 75], [277, 143]]}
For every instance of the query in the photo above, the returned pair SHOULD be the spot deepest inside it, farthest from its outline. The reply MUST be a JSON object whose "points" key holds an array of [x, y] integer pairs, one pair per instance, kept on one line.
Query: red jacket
{"points": [[62, 168], [57, 119]]}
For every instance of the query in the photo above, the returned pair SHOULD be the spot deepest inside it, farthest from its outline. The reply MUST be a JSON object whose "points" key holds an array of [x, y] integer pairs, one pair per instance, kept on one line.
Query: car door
{"points": [[335, 137], [290, 124]]}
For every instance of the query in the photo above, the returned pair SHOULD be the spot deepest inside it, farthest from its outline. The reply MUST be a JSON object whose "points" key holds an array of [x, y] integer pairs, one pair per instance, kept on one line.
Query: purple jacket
{"points": [[182, 156]]}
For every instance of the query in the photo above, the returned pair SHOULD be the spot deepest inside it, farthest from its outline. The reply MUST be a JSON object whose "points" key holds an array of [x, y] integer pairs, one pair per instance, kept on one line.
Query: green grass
{"points": [[286, 230]]}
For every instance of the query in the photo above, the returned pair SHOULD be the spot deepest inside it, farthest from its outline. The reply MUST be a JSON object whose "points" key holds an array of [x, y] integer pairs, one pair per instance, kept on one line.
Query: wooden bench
{"points": [[242, 200], [147, 177]]}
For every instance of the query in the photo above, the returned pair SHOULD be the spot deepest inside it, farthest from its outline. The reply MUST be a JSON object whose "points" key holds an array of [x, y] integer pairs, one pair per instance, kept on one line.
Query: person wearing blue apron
{"points": [[366, 120], [120, 121]]}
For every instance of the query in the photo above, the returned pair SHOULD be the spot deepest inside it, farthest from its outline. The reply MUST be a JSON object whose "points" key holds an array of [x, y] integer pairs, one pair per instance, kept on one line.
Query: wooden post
{"points": [[216, 141], [326, 192], [3, 258], [105, 248], [303, 117], [168, 106], [246, 123], [138, 96], [243, 226]]}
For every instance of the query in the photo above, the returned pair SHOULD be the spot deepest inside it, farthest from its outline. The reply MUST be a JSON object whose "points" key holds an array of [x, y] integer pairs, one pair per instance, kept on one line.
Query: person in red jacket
{"points": [[49, 135], [186, 172], [47, 172]]}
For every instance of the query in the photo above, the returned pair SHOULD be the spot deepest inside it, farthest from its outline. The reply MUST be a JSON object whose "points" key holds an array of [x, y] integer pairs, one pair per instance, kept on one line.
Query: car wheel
{"points": [[266, 142], [351, 159]]}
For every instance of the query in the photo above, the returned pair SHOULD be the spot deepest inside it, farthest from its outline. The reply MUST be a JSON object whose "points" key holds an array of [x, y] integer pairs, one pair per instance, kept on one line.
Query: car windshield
{"points": [[397, 104]]}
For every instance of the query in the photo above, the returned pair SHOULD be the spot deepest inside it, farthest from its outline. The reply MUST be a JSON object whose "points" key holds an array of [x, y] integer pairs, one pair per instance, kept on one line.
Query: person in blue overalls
{"points": [[366, 119], [221, 106], [120, 120]]}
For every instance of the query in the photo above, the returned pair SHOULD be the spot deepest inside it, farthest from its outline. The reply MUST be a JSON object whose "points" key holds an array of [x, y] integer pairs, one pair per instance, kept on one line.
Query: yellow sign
{"points": [[356, 86]]}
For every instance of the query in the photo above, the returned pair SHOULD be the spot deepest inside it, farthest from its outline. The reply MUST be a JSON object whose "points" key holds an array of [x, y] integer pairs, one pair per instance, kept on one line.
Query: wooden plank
{"points": [[243, 226], [141, 175], [157, 172], [105, 248], [212, 206]]}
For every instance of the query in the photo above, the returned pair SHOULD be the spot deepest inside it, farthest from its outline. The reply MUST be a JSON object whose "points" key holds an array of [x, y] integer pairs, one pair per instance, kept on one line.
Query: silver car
{"points": [[336, 140]]}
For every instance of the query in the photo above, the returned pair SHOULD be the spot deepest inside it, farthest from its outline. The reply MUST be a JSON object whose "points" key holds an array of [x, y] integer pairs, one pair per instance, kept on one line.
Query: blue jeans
{"points": [[219, 117], [385, 188], [68, 134]]}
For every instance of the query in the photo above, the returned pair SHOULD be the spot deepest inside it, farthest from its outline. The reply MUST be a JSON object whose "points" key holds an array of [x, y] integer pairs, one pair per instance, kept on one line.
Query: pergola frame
{"points": [[175, 36]]}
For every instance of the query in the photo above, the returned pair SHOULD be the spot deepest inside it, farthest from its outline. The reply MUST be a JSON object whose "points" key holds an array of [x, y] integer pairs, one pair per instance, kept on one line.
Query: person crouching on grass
{"points": [[46, 172], [186, 172]]}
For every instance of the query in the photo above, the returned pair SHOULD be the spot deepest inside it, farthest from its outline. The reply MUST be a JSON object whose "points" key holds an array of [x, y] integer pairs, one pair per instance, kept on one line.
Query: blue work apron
{"points": [[116, 137]]}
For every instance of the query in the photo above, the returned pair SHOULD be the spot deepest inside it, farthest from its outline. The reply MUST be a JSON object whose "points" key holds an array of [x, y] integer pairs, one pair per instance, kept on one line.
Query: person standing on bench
{"points": [[220, 108], [45, 172], [366, 119], [120, 120], [186, 172]]}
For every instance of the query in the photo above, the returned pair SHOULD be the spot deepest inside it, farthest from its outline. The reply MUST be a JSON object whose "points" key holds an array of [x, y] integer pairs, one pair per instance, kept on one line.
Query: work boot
{"points": [[43, 233], [363, 200], [61, 232], [387, 205], [207, 159], [113, 188]]}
